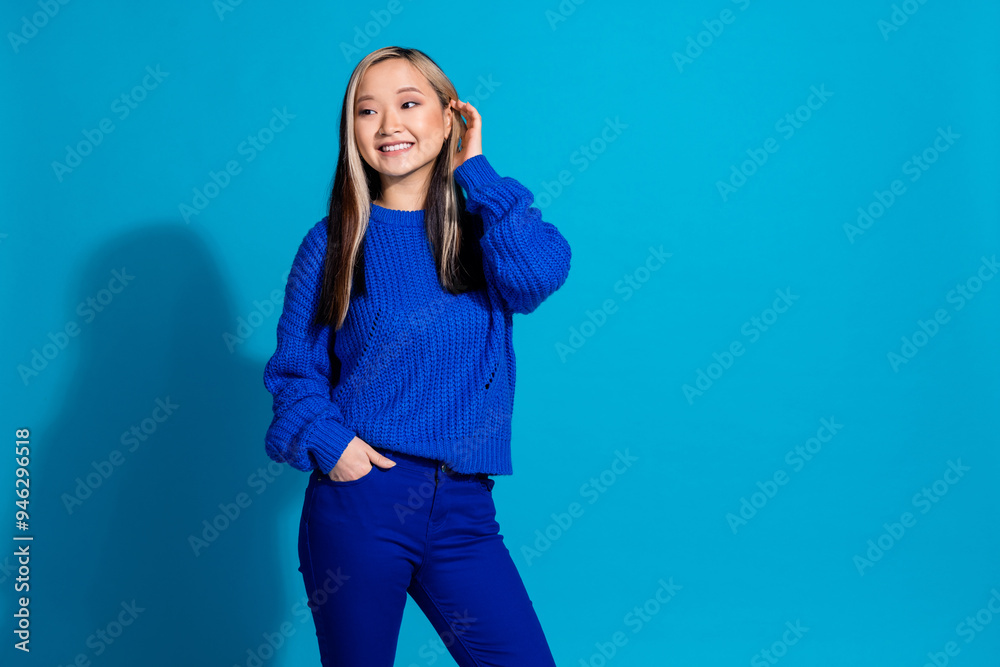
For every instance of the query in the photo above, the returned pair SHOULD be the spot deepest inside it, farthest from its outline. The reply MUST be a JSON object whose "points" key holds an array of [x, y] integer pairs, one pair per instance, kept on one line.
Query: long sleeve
{"points": [[525, 258], [308, 429]]}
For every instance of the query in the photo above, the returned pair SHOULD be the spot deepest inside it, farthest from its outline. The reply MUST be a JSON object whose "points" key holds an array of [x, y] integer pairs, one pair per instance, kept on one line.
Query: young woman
{"points": [[409, 288]]}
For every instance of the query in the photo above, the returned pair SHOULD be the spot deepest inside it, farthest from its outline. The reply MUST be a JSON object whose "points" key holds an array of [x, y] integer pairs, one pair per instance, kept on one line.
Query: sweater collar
{"points": [[397, 217]]}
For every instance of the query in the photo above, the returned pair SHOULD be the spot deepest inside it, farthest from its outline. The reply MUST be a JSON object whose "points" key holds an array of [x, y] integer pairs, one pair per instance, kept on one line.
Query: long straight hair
{"points": [[452, 231]]}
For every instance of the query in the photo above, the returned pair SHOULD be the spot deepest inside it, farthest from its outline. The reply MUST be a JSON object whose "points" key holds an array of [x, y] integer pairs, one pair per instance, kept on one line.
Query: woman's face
{"points": [[396, 106]]}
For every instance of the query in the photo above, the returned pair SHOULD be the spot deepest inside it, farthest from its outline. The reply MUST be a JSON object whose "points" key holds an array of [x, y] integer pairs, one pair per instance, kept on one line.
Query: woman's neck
{"points": [[404, 194]]}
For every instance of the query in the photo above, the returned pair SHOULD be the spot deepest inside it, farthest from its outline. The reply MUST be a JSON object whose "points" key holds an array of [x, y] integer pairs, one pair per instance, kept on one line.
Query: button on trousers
{"points": [[422, 529]]}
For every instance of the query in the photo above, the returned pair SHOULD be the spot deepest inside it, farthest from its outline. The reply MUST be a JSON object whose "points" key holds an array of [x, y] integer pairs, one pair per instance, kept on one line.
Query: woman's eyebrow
{"points": [[403, 89]]}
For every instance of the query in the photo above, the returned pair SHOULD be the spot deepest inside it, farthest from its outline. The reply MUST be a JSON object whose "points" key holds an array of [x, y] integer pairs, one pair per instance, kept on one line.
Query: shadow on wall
{"points": [[160, 424]]}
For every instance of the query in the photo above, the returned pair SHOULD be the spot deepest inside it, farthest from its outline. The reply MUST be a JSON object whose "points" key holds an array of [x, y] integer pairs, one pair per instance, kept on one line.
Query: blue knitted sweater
{"points": [[422, 371]]}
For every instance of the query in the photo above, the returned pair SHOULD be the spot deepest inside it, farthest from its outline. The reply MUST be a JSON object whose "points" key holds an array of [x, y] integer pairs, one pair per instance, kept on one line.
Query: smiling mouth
{"points": [[401, 147]]}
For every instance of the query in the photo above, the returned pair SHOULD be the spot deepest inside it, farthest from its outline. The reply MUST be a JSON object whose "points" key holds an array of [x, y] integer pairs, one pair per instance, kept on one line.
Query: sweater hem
{"points": [[490, 456]]}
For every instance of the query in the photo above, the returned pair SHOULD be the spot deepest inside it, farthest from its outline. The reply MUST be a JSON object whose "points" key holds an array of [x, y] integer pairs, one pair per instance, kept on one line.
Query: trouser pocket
{"points": [[485, 482], [325, 479]]}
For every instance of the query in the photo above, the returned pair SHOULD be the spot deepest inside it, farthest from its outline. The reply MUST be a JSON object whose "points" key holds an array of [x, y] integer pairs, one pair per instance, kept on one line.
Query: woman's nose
{"points": [[389, 122]]}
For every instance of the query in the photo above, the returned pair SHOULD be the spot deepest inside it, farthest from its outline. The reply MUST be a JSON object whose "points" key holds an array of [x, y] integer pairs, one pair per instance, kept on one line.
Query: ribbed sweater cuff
{"points": [[475, 172], [490, 195], [327, 441]]}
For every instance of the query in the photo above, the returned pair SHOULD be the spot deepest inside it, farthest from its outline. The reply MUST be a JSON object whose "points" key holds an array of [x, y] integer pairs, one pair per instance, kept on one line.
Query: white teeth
{"points": [[395, 147]]}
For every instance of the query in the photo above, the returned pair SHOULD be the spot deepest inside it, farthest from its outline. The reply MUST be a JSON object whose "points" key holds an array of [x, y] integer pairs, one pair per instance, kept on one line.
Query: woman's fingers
{"points": [[467, 110], [472, 137]]}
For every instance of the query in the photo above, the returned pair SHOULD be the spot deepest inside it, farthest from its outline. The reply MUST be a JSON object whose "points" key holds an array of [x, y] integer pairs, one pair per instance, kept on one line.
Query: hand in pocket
{"points": [[356, 461]]}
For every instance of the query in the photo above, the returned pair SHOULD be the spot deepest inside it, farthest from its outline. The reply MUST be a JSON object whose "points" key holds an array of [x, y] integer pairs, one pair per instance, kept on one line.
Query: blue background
{"points": [[555, 89]]}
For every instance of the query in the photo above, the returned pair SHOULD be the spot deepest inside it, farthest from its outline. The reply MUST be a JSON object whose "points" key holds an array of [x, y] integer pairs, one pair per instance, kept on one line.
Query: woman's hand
{"points": [[472, 142], [356, 461]]}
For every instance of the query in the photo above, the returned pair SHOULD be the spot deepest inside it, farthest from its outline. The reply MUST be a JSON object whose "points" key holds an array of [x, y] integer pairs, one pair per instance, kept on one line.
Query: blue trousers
{"points": [[422, 529]]}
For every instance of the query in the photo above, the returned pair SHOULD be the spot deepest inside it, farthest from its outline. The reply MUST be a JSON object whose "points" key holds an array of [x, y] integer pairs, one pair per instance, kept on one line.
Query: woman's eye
{"points": [[363, 111]]}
